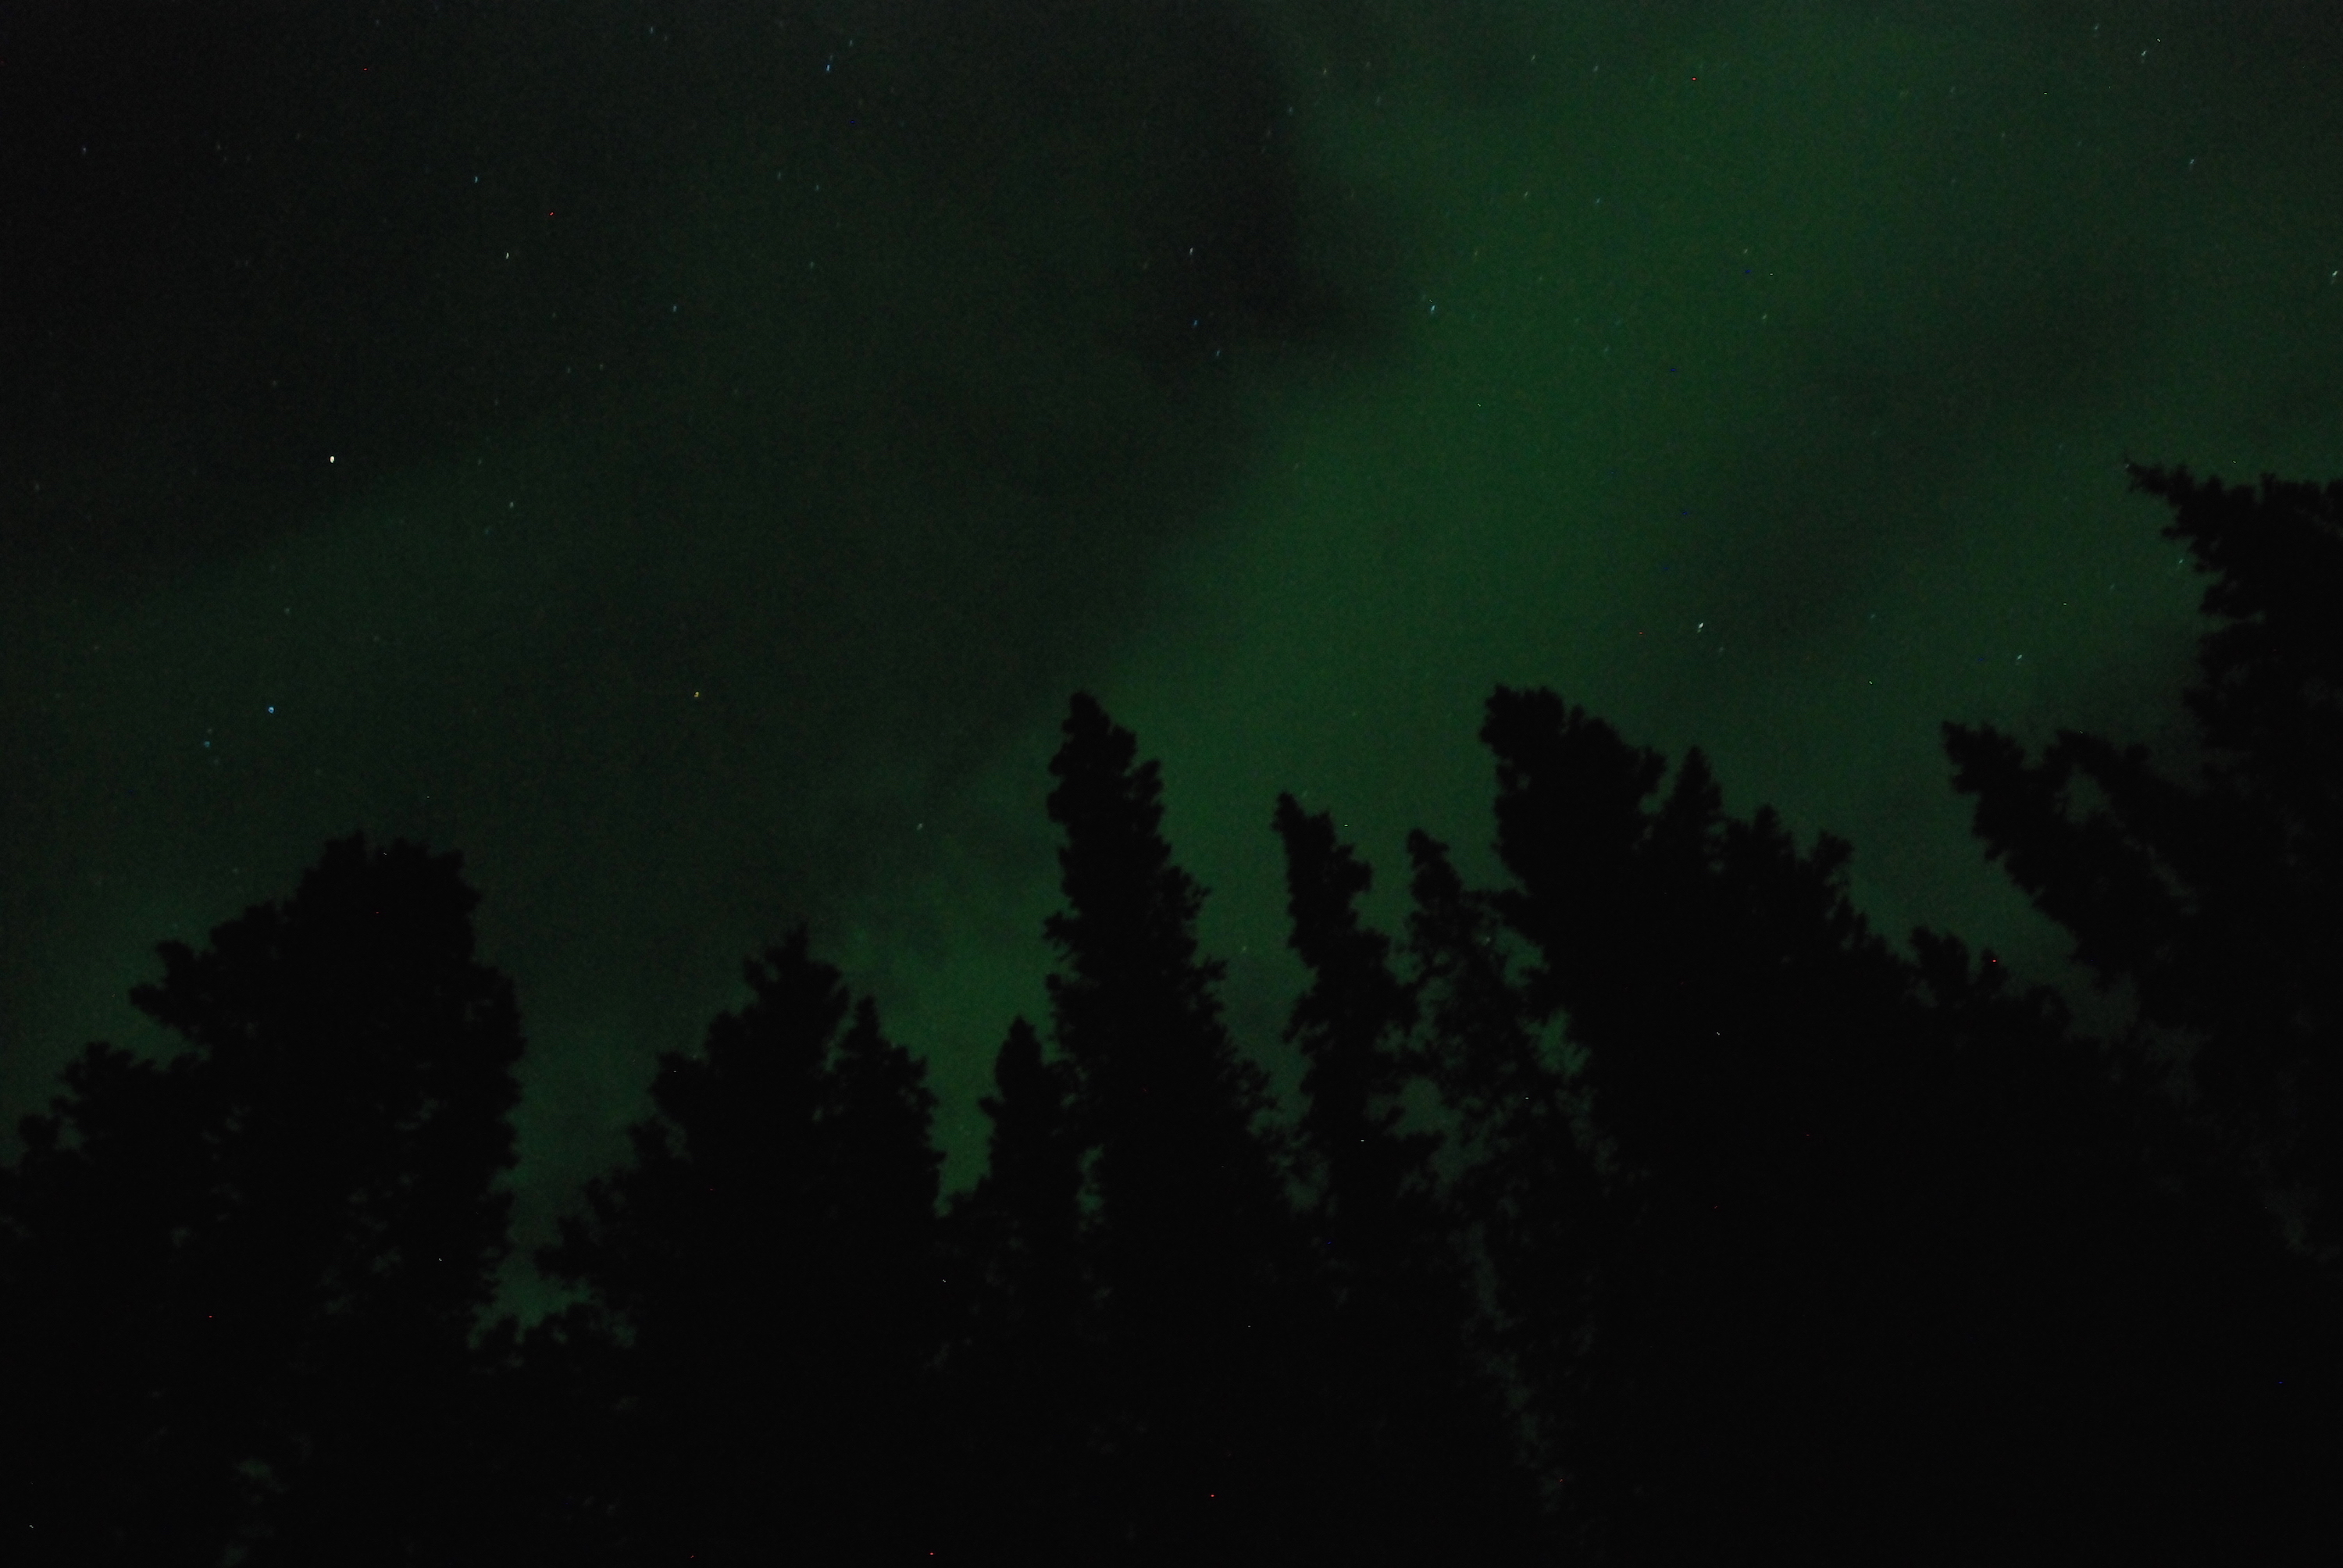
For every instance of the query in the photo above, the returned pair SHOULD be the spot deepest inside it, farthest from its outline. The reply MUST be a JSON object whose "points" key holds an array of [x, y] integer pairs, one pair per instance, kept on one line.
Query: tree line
{"points": [[1648, 1208]]}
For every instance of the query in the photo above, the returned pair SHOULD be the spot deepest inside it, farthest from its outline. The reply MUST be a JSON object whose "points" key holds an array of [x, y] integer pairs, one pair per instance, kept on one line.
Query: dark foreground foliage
{"points": [[1647, 1209]]}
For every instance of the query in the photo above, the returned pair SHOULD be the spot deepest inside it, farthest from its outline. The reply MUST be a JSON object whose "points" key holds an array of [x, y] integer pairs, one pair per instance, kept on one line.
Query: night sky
{"points": [[683, 456]]}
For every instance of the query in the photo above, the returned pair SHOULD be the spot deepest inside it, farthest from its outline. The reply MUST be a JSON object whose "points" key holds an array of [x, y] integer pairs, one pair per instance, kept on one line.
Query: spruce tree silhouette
{"points": [[1777, 1240], [767, 1266], [264, 1261], [1417, 1448], [1350, 1027], [2110, 1331], [1746, 1055], [1031, 1192], [1021, 1365], [2218, 904], [1191, 1240], [2212, 904], [1525, 1198], [1884, 1261]]}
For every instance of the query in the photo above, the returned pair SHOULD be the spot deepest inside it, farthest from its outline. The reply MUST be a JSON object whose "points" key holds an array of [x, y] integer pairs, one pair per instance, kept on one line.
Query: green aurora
{"points": [[683, 458]]}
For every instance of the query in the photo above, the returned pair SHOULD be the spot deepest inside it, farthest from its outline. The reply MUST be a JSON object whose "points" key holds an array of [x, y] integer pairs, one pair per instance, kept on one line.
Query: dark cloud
{"points": [[656, 449], [256, 234]]}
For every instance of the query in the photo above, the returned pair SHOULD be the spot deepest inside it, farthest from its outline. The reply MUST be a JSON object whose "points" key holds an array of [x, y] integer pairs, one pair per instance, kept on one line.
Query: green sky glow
{"points": [[1757, 376]]}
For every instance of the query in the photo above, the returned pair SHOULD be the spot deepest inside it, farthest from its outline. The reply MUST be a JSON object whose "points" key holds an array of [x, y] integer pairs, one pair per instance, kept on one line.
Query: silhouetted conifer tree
{"points": [[1030, 1195], [1022, 1369], [267, 1258], [769, 1263], [2114, 1339], [1191, 1240], [1525, 1193], [2217, 902], [1888, 1262], [1416, 1441], [2212, 903], [1750, 1057], [1350, 1026], [1749, 1235]]}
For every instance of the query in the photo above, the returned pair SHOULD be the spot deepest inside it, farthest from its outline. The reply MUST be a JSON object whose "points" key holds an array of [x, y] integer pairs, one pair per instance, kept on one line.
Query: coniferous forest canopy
{"points": [[543, 553]]}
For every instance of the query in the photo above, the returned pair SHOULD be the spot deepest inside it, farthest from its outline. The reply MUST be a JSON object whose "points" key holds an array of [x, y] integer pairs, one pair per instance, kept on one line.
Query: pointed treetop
{"points": [[1123, 891]]}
